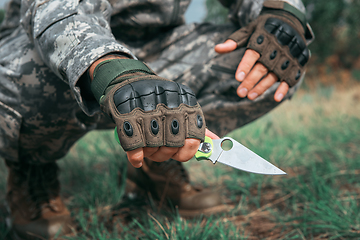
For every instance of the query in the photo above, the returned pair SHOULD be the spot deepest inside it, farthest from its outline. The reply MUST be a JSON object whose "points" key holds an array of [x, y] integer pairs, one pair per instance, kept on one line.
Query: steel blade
{"points": [[244, 159]]}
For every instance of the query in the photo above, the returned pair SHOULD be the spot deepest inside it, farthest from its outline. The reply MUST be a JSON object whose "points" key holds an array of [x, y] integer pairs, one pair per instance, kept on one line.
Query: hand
{"points": [[276, 51], [155, 117], [249, 72], [163, 153]]}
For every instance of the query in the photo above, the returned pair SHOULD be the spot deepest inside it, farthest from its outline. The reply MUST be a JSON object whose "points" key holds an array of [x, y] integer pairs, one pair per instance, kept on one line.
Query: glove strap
{"points": [[284, 6], [108, 70]]}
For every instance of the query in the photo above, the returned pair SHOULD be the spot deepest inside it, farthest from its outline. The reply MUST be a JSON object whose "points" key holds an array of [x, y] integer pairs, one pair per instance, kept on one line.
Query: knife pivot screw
{"points": [[205, 147]]}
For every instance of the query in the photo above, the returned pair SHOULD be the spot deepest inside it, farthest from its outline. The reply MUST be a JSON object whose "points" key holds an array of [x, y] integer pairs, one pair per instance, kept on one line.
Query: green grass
{"points": [[314, 138]]}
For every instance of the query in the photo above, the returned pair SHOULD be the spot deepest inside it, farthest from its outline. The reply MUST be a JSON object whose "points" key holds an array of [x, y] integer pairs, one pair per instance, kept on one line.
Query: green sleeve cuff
{"points": [[280, 5], [108, 70]]}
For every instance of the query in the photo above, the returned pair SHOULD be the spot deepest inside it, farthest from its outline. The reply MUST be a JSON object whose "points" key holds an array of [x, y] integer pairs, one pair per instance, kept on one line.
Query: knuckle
{"points": [[135, 162], [284, 86], [188, 154], [168, 150], [192, 143], [266, 83], [150, 150], [183, 157], [259, 90], [261, 68], [273, 76], [250, 81], [136, 158], [246, 66], [252, 53], [184, 154]]}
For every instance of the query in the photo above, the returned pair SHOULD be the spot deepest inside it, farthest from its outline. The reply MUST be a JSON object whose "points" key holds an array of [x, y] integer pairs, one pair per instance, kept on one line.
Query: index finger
{"points": [[246, 64], [210, 134], [136, 157]]}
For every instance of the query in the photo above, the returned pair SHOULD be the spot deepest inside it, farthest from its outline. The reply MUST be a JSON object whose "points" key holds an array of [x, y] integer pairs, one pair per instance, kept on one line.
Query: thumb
{"points": [[228, 46], [241, 36], [211, 134], [136, 157]]}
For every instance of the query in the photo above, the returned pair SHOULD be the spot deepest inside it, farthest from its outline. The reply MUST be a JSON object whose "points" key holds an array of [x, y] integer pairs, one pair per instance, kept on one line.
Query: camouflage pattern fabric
{"points": [[242, 12], [42, 109]]}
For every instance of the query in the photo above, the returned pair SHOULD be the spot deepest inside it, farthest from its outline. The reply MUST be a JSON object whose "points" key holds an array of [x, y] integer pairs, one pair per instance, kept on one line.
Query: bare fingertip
{"points": [[137, 164], [241, 76], [279, 97], [253, 95], [242, 92]]}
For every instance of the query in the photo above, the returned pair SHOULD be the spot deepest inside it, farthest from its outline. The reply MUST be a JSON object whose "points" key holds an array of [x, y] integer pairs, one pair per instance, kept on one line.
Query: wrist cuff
{"points": [[108, 70], [288, 8], [284, 6]]}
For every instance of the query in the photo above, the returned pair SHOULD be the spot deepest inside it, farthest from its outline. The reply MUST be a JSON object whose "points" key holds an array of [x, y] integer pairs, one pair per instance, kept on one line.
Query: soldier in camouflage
{"points": [[50, 50]]}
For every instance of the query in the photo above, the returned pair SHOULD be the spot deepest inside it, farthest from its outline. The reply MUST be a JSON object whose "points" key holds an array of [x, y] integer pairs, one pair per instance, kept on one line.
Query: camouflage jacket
{"points": [[70, 35]]}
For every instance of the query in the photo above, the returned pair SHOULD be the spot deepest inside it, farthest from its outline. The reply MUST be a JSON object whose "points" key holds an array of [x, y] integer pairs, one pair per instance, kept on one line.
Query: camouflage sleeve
{"points": [[244, 11], [70, 35], [11, 20]]}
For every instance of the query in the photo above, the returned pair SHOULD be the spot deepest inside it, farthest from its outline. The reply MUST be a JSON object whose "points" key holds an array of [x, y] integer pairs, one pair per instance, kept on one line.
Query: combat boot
{"points": [[168, 182], [36, 208]]}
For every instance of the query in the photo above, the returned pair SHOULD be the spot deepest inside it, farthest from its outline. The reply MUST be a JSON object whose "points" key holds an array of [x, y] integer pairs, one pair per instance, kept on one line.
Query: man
{"points": [[68, 67]]}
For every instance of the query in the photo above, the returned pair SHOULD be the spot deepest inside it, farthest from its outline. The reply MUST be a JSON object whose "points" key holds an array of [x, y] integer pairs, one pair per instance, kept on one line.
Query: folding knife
{"points": [[235, 155]]}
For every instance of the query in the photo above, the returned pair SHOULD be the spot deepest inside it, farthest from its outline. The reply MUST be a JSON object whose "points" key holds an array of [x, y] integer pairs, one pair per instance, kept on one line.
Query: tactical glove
{"points": [[149, 111], [279, 39]]}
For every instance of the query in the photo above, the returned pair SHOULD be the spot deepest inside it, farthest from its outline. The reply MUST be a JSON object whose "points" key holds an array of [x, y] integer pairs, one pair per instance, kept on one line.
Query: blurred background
{"points": [[314, 138]]}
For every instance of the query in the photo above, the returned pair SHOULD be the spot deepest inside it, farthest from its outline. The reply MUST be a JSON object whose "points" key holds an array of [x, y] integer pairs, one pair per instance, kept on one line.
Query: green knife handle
{"points": [[116, 135], [202, 155]]}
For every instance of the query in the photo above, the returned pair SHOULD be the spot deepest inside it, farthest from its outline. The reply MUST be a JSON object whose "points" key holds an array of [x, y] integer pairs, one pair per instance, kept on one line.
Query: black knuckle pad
{"points": [[171, 94], [187, 95], [271, 25], [299, 50], [121, 97], [282, 31], [304, 57], [286, 35], [147, 95], [296, 46]]}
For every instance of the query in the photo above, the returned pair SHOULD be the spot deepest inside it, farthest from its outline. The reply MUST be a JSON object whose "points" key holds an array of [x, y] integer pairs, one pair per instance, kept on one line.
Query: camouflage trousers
{"points": [[40, 118]]}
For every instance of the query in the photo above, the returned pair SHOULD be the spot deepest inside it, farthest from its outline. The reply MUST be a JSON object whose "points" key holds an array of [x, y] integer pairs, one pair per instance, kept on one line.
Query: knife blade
{"points": [[236, 155]]}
